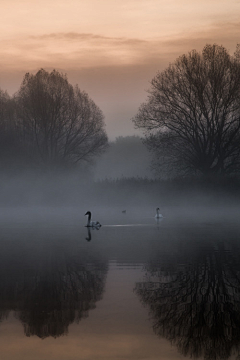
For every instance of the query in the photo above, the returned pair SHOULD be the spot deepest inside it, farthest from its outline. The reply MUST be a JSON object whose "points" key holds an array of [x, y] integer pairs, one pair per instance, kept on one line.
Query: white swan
{"points": [[158, 216], [90, 223]]}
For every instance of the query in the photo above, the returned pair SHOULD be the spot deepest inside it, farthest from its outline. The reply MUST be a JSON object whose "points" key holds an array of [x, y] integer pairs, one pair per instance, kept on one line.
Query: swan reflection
{"points": [[193, 293], [89, 232], [159, 221], [89, 237]]}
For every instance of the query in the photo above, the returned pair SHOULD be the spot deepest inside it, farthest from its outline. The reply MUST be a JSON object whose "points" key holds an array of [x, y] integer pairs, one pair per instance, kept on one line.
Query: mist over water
{"points": [[124, 290]]}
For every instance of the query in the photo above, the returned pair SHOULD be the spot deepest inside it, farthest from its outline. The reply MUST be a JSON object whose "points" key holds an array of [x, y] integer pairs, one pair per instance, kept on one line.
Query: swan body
{"points": [[158, 215], [93, 224]]}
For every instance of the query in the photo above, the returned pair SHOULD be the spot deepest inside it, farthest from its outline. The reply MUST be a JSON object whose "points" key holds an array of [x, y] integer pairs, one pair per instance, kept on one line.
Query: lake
{"points": [[136, 288]]}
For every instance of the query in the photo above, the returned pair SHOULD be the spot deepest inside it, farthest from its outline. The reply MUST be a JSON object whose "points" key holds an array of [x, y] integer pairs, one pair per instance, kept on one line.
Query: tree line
{"points": [[49, 123], [191, 119]]}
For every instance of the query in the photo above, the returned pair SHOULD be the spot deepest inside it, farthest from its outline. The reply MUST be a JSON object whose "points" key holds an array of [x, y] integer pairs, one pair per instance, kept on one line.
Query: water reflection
{"points": [[89, 233], [158, 222], [49, 287], [192, 288], [89, 237]]}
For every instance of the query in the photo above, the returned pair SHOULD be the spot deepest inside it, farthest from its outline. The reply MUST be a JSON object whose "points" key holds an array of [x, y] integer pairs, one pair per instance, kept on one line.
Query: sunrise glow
{"points": [[127, 39]]}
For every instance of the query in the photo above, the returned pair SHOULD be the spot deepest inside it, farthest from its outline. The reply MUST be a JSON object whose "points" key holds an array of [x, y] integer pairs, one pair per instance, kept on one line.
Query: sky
{"points": [[110, 48]]}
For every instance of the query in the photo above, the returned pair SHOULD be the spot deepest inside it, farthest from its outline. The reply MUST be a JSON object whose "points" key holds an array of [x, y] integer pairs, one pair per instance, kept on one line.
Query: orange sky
{"points": [[111, 48]]}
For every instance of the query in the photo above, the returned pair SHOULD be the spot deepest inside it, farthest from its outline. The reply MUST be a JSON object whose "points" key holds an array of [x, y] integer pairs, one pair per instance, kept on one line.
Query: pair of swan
{"points": [[96, 224]]}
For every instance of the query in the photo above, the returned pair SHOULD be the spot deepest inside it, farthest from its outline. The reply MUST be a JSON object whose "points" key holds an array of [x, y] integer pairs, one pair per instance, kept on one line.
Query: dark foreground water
{"points": [[135, 289]]}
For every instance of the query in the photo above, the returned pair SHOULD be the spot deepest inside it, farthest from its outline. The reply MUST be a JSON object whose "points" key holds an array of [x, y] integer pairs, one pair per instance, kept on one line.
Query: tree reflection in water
{"points": [[49, 289], [194, 297]]}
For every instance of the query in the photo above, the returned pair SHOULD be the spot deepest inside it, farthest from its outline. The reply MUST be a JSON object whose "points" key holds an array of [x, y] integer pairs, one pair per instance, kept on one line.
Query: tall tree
{"points": [[60, 123], [192, 116]]}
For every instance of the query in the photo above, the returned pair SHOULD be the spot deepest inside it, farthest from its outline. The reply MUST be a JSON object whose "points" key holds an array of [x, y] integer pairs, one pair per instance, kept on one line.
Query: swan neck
{"points": [[89, 218]]}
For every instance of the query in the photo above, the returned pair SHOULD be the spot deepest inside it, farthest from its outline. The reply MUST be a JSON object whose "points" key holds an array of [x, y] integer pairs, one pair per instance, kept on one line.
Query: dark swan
{"points": [[94, 224]]}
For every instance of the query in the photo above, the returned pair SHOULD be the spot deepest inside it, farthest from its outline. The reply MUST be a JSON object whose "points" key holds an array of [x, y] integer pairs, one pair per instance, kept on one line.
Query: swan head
{"points": [[88, 213]]}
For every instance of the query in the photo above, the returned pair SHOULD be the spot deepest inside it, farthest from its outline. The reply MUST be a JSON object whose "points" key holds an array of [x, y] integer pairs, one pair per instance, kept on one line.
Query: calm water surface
{"points": [[135, 289]]}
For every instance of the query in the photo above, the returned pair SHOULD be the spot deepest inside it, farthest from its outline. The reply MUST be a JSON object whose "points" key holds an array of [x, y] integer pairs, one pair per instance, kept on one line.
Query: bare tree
{"points": [[195, 103], [60, 123]]}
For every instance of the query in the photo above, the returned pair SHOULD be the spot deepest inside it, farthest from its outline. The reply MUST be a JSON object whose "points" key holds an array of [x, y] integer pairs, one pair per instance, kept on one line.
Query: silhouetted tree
{"points": [[192, 116], [194, 297], [60, 123]]}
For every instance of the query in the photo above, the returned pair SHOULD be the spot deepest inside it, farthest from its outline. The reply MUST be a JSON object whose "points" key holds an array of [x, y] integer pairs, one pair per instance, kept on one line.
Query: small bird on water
{"points": [[158, 215]]}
